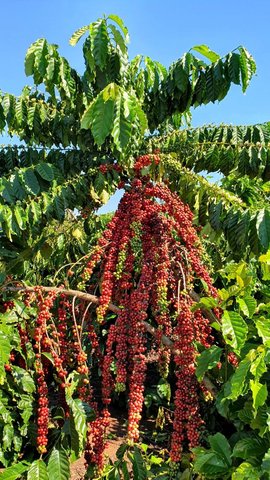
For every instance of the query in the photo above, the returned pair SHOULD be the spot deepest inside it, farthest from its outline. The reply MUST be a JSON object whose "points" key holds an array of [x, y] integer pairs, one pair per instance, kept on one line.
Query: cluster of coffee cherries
{"points": [[108, 167], [148, 260], [55, 337]]}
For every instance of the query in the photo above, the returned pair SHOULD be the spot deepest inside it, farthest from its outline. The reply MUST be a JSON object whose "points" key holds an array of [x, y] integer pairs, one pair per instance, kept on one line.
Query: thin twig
{"points": [[75, 321], [84, 315]]}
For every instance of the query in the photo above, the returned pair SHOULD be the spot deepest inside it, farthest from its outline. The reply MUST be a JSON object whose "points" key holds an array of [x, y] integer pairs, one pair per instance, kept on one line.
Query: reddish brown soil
{"points": [[117, 433]]}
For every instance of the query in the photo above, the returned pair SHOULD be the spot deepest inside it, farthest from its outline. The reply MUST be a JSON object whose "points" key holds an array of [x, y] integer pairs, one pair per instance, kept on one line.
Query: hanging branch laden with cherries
{"points": [[146, 262]]}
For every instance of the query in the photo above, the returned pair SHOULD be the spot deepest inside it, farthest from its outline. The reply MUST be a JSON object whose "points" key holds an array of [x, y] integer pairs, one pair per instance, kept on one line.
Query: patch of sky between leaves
{"points": [[114, 200]]}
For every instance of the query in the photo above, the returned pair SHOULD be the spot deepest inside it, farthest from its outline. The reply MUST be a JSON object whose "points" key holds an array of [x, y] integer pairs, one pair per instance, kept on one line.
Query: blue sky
{"points": [[163, 30]]}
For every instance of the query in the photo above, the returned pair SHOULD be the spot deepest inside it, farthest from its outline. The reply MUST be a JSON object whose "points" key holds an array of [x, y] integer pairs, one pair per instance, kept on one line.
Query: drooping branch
{"points": [[88, 297]]}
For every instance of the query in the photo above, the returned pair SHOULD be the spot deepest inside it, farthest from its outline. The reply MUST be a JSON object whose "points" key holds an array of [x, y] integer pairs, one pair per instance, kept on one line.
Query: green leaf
{"points": [[121, 131], [205, 302], [249, 447], [266, 462], [220, 445], [7, 436], [263, 227], [258, 366], [233, 60], [259, 394], [18, 187], [139, 468], [247, 67], [248, 305], [209, 464], [263, 327], [23, 379], [120, 24], [5, 413], [20, 217], [15, 471], [81, 414], [207, 360], [125, 471], [99, 115], [99, 36], [29, 60], [119, 40], [181, 72], [58, 465], [76, 36], [5, 347], [31, 181], [234, 329], [206, 52], [121, 451], [164, 389], [25, 406], [37, 471], [246, 471], [45, 171], [265, 264], [238, 379], [46, 250]]}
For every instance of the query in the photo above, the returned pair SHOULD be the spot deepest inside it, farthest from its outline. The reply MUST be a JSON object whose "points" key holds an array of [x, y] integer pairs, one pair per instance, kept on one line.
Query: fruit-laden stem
{"points": [[88, 297]]}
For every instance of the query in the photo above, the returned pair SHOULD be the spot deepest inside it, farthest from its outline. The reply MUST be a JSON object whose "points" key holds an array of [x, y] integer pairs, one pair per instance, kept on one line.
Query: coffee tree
{"points": [[89, 302]]}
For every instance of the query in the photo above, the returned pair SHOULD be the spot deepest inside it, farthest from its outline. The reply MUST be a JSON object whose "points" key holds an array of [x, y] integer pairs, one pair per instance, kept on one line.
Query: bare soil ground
{"points": [[117, 433]]}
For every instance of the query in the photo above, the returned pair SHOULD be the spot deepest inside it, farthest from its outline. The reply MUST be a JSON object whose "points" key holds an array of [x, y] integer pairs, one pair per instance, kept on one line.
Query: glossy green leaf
{"points": [[100, 114], [207, 360], [37, 471], [7, 436], [138, 465], [5, 348], [121, 131], [99, 36], [45, 171], [238, 379], [76, 36], [247, 67], [263, 327], [15, 471], [81, 414], [23, 379], [120, 24], [234, 329], [246, 471], [263, 228], [249, 447], [247, 305], [206, 52], [58, 465], [209, 464], [258, 366], [220, 445], [164, 389], [259, 394], [31, 181], [266, 462]]}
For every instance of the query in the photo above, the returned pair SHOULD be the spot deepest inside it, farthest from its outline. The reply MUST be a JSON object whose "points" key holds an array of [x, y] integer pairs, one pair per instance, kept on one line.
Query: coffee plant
{"points": [[161, 307]]}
